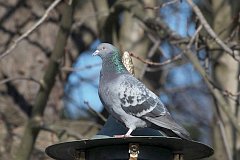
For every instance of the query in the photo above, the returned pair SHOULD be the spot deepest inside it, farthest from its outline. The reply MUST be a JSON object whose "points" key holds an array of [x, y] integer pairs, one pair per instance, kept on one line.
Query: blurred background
{"points": [[187, 52]]}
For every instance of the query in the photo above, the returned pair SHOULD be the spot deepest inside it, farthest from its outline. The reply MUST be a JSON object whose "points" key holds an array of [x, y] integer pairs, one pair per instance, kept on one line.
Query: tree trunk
{"points": [[32, 128], [225, 70]]}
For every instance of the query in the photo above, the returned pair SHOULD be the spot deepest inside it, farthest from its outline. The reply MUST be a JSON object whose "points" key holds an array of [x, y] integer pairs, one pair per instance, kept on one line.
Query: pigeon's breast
{"points": [[107, 92]]}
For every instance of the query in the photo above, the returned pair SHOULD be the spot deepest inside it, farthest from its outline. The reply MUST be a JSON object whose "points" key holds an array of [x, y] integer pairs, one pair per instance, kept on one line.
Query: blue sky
{"points": [[83, 85]]}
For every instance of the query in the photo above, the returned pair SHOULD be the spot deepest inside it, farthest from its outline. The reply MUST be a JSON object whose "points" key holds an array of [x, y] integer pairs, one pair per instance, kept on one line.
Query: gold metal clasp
{"points": [[133, 151]]}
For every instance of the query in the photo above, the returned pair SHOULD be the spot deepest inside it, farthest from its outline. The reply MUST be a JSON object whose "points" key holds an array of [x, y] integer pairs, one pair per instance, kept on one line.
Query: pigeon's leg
{"points": [[128, 134]]}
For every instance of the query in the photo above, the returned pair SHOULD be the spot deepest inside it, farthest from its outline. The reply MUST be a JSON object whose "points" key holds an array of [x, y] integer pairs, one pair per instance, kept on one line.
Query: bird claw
{"points": [[122, 136]]}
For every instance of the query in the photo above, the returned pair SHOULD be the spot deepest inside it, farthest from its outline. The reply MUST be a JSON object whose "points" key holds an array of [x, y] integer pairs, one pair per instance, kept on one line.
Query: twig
{"points": [[59, 131], [167, 67], [71, 69], [235, 47], [32, 28], [224, 91], [224, 137], [161, 5], [95, 112], [20, 78], [150, 54], [79, 23], [237, 105], [179, 56], [210, 30], [194, 36]]}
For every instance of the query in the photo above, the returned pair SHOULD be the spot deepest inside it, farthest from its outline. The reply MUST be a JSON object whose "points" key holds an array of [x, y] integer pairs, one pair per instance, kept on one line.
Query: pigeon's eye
{"points": [[103, 48]]}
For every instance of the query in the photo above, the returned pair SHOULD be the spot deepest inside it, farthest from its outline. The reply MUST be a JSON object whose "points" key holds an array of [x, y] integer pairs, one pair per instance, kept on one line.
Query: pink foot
{"points": [[122, 136]]}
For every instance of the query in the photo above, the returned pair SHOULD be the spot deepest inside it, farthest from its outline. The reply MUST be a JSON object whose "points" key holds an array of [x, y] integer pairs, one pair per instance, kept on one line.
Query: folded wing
{"points": [[139, 101]]}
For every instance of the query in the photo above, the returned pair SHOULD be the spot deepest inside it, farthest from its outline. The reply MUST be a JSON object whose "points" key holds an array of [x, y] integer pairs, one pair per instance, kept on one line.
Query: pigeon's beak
{"points": [[95, 53]]}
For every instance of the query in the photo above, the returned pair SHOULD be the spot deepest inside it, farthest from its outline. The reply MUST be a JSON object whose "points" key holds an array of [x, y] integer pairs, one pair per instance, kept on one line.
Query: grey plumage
{"points": [[129, 100]]}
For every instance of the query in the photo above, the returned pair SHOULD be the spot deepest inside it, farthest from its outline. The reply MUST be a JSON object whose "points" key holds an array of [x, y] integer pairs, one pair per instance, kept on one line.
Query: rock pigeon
{"points": [[129, 100]]}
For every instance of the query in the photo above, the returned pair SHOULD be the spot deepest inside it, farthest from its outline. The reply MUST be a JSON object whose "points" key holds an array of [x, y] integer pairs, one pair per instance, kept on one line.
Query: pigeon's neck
{"points": [[114, 64]]}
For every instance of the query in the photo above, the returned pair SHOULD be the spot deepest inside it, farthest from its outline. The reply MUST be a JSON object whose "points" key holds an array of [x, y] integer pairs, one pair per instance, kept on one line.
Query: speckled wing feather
{"points": [[137, 100]]}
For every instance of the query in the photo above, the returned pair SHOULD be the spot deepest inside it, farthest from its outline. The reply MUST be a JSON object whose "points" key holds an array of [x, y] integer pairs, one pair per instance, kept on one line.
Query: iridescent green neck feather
{"points": [[117, 61], [114, 63]]}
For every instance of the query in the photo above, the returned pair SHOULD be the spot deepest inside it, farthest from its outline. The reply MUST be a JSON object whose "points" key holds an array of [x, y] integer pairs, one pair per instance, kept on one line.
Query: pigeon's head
{"points": [[106, 50], [111, 57]]}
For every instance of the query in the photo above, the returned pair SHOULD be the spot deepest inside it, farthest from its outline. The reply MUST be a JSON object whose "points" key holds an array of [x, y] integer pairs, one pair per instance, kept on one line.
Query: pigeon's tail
{"points": [[169, 126], [171, 133], [183, 135]]}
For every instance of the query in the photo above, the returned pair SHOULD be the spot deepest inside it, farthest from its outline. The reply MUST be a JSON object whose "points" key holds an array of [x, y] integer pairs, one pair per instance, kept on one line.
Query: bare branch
{"points": [[149, 56], [95, 112], [20, 78], [59, 131], [71, 69], [31, 129], [210, 30], [216, 94], [161, 5], [175, 58], [194, 36], [31, 29], [224, 91], [224, 137], [88, 17]]}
